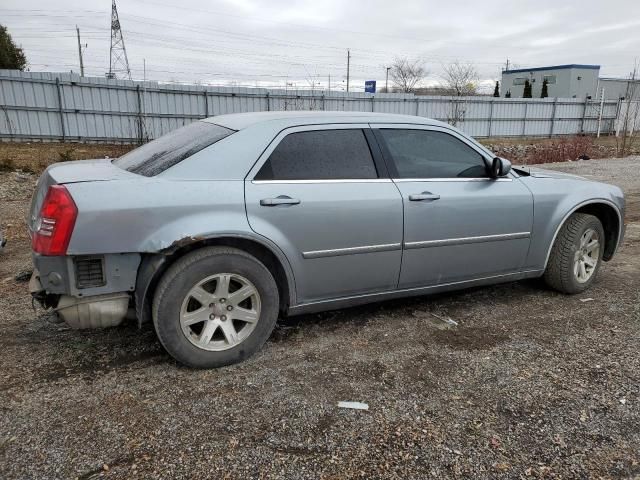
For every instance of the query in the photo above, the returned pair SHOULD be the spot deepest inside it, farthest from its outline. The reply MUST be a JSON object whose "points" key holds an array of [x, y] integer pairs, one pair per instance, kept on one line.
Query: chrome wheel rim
{"points": [[587, 256], [220, 312]]}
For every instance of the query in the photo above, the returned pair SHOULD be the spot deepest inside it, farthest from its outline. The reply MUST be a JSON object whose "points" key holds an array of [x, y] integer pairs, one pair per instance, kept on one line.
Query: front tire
{"points": [[215, 306], [576, 254]]}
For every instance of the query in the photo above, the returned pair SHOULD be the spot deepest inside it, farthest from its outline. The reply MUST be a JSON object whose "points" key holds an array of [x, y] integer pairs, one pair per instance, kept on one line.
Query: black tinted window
{"points": [[430, 154], [162, 153], [320, 155]]}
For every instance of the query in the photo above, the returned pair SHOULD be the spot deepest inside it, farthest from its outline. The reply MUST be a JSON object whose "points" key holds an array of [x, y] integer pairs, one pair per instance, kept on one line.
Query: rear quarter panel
{"points": [[152, 214]]}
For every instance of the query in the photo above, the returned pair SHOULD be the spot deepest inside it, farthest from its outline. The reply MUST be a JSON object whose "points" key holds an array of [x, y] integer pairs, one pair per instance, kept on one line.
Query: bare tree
{"points": [[406, 74], [460, 79], [630, 112]]}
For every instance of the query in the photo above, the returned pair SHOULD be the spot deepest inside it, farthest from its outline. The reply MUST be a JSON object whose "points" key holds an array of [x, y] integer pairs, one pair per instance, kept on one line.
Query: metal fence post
{"points": [[553, 116], [206, 104], [600, 113], [490, 116], [373, 99], [524, 119], [584, 114], [268, 102], [617, 122], [140, 133], [417, 107], [61, 109]]}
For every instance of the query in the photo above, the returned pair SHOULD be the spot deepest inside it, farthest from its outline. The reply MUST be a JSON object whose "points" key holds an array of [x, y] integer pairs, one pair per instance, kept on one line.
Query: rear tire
{"points": [[576, 254], [215, 306]]}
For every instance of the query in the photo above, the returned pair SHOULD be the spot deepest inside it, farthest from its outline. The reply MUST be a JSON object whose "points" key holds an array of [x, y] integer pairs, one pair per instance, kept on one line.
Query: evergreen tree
{"points": [[11, 55], [545, 89], [508, 94], [527, 89], [496, 91]]}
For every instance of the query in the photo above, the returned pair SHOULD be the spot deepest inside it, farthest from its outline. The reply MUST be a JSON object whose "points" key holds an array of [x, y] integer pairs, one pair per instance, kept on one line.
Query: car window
{"points": [[432, 154], [320, 155], [162, 153]]}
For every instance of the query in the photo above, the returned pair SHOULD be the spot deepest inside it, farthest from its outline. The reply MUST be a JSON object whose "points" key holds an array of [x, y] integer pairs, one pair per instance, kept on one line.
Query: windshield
{"points": [[158, 155]]}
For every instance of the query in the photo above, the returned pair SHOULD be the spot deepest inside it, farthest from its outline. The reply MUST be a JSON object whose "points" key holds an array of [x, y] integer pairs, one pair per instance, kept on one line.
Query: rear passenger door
{"points": [[323, 196]]}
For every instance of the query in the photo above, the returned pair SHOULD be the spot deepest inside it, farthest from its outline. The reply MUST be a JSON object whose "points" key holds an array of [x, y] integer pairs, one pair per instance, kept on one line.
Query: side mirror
{"points": [[499, 167]]}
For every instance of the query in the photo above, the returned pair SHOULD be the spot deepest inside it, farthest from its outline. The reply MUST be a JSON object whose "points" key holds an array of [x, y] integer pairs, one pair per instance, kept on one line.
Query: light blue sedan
{"points": [[219, 227]]}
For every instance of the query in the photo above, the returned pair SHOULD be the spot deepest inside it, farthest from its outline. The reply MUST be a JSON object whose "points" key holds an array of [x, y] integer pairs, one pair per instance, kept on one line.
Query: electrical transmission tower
{"points": [[118, 62]]}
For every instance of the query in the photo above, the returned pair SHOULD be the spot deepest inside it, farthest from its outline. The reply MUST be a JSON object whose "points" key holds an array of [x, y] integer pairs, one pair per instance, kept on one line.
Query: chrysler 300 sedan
{"points": [[214, 230]]}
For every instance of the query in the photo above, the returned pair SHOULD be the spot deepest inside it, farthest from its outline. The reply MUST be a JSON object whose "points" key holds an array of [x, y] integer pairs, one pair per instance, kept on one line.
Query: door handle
{"points": [[419, 197], [280, 200]]}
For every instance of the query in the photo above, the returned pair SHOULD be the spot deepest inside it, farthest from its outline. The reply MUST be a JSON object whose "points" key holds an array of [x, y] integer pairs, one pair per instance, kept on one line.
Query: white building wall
{"points": [[571, 81], [616, 88]]}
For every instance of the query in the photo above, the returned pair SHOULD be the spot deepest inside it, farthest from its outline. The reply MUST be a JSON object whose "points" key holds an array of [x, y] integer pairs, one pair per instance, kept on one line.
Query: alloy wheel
{"points": [[587, 256], [220, 311]]}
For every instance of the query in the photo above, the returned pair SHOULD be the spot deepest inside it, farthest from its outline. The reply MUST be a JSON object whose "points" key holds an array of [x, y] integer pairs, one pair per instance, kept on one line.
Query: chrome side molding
{"points": [[466, 240], [334, 252]]}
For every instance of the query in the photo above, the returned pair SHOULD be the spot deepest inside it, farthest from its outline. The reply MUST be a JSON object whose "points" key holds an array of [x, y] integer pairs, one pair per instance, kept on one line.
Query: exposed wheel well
{"points": [[608, 216], [157, 264]]}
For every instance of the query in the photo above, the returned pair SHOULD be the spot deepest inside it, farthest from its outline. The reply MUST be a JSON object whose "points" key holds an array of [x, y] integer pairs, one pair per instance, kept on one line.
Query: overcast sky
{"points": [[269, 43]]}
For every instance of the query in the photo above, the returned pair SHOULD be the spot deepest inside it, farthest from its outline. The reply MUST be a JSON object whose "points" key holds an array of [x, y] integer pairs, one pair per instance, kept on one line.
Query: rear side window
{"points": [[162, 153], [432, 154], [320, 155]]}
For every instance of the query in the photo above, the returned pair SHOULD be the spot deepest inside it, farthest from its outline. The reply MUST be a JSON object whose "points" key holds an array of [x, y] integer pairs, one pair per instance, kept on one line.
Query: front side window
{"points": [[519, 81], [320, 155], [432, 154]]}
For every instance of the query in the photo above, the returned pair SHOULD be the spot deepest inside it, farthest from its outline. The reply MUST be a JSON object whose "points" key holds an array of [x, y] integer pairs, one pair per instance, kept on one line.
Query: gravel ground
{"points": [[529, 384]]}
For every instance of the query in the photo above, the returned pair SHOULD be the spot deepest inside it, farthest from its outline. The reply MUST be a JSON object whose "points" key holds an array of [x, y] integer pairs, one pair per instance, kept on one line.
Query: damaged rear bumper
{"points": [[85, 291], [95, 311]]}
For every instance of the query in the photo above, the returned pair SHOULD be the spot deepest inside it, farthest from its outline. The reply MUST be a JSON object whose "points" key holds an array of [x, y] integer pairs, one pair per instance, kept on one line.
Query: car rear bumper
{"points": [[86, 275]]}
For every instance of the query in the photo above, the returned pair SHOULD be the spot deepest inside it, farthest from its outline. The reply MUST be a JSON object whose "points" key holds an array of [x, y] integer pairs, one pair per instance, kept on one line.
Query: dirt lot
{"points": [[530, 384]]}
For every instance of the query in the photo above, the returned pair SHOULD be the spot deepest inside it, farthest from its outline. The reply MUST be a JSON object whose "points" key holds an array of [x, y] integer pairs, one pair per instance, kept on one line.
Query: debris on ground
{"points": [[353, 405], [586, 299], [23, 276], [445, 320]]}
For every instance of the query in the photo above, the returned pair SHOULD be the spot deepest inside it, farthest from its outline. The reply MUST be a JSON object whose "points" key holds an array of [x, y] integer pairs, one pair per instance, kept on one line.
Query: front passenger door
{"points": [[459, 223]]}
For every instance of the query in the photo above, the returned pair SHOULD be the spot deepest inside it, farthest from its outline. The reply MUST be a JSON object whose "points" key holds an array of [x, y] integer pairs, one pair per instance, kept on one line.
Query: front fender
{"points": [[555, 199]]}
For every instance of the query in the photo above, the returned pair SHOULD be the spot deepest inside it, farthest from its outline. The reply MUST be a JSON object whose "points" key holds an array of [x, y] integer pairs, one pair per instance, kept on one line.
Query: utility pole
{"points": [[507, 65], [329, 84], [80, 52], [118, 62], [348, 67], [386, 83]]}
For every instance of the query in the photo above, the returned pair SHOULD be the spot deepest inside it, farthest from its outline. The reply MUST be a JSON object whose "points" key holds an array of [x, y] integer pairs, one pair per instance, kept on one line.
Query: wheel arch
{"points": [[610, 217], [154, 264]]}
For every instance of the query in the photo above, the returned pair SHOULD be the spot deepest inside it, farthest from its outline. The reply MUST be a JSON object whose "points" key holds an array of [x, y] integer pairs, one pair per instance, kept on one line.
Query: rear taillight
{"points": [[55, 223]]}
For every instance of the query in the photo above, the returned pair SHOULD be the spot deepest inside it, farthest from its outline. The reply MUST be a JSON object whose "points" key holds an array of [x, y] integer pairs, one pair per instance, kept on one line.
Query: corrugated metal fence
{"points": [[66, 107]]}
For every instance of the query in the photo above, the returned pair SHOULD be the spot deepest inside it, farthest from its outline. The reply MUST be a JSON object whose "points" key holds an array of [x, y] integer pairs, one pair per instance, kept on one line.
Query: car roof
{"points": [[239, 121]]}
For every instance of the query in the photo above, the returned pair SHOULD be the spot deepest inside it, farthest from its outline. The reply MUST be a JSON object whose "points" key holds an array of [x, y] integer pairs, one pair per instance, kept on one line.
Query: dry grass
{"points": [[530, 151], [35, 157]]}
